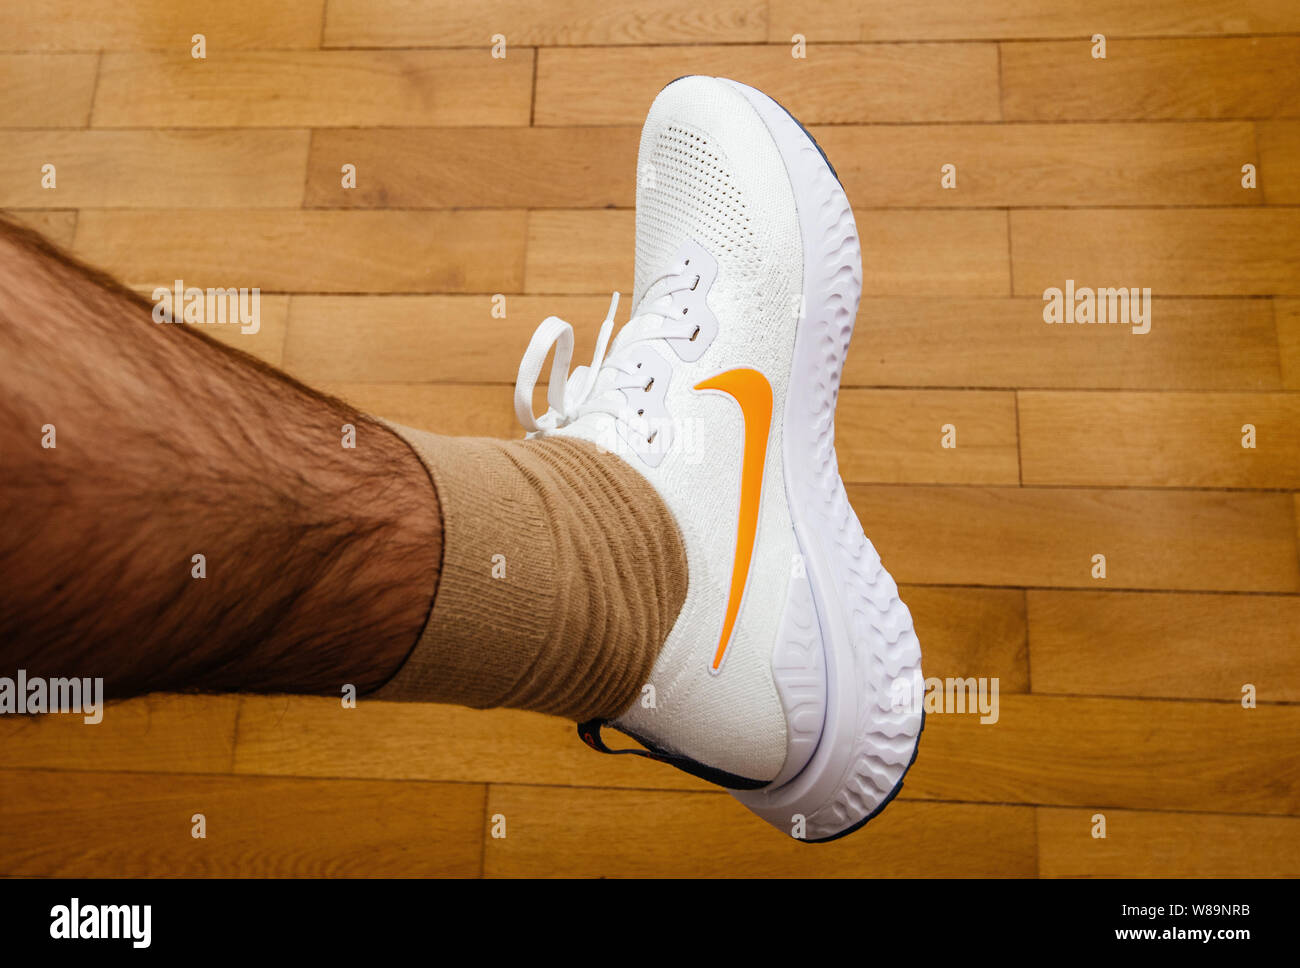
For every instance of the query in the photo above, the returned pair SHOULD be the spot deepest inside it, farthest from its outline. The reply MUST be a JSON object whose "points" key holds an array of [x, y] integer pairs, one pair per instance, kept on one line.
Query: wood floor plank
{"points": [[167, 733], [1160, 439], [57, 225], [905, 449], [898, 436], [459, 410], [1108, 752], [1173, 252], [639, 833], [943, 341], [427, 339], [900, 257], [306, 736], [46, 90], [1113, 753], [445, 23], [155, 169], [1170, 646], [1018, 165], [297, 251], [1063, 751], [475, 168], [1210, 344], [1151, 844], [1287, 314], [602, 263], [319, 89], [833, 85], [1248, 77], [876, 20], [1279, 161], [898, 252], [159, 24], [886, 166], [966, 632], [1047, 537], [121, 824]]}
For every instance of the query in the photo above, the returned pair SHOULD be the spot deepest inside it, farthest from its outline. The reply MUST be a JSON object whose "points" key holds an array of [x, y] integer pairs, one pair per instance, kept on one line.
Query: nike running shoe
{"points": [[792, 675]]}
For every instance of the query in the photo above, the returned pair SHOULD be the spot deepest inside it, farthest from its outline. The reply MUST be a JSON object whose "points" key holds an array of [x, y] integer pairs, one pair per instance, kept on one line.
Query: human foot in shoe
{"points": [[792, 675]]}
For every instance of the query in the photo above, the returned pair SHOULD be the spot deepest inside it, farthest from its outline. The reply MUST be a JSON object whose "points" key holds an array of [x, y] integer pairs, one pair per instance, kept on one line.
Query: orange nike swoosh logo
{"points": [[750, 389]]}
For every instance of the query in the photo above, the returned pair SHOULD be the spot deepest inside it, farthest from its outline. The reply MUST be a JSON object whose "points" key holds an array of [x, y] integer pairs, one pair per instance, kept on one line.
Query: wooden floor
{"points": [[478, 176]]}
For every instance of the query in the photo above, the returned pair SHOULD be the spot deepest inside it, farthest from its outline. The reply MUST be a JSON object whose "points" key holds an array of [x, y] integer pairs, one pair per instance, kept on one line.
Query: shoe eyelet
{"points": [[695, 283], [649, 385], [685, 310], [695, 334], [651, 438], [640, 413]]}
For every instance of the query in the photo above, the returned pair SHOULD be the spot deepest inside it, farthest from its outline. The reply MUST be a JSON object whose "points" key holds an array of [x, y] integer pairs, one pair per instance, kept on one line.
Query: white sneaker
{"points": [[792, 675]]}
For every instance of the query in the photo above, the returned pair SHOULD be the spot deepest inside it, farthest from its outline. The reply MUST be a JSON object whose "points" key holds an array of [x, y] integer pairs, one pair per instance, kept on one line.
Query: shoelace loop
{"points": [[570, 395], [565, 392]]}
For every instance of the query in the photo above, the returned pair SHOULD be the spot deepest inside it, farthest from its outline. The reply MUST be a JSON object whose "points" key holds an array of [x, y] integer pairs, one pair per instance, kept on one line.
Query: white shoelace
{"points": [[601, 387]]}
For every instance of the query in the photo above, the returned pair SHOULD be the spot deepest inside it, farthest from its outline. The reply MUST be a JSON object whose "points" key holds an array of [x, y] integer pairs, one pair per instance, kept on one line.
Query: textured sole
{"points": [[862, 630]]}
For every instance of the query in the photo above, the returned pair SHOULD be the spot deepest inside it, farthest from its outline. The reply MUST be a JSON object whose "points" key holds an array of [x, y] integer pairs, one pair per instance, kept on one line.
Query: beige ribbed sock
{"points": [[562, 574]]}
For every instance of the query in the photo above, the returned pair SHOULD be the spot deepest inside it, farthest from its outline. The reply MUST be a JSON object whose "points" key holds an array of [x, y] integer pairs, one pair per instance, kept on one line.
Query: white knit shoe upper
{"points": [[793, 672]]}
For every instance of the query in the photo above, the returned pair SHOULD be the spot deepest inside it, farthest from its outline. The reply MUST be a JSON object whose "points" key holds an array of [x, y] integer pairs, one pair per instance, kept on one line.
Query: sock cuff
{"points": [[488, 513], [561, 577]]}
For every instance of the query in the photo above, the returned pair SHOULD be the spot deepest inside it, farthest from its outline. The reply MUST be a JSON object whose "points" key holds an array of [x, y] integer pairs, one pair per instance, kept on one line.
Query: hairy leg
{"points": [[321, 561]]}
